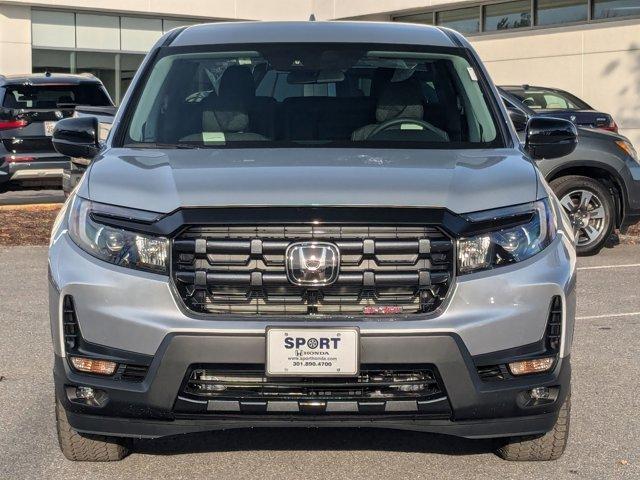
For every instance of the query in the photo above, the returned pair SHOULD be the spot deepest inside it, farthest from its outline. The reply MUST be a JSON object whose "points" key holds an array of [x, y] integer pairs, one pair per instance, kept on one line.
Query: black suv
{"points": [[553, 102], [30, 106]]}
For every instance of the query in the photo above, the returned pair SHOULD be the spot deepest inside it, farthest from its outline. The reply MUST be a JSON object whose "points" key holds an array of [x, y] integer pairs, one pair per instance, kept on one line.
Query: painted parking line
{"points": [[599, 267], [609, 315]]}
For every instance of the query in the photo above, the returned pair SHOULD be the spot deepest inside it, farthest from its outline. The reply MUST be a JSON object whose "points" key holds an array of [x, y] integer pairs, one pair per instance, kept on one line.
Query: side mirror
{"points": [[518, 118], [77, 137], [548, 137]]}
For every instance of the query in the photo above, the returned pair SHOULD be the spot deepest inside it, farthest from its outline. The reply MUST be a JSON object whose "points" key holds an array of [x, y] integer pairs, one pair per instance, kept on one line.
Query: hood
{"points": [[164, 180]]}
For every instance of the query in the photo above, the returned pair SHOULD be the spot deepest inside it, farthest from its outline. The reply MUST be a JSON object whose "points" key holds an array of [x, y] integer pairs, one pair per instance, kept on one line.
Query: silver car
{"points": [[317, 225]]}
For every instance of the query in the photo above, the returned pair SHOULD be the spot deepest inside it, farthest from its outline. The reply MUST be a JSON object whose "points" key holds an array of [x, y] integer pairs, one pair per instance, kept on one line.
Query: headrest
{"points": [[400, 100], [237, 81], [225, 115]]}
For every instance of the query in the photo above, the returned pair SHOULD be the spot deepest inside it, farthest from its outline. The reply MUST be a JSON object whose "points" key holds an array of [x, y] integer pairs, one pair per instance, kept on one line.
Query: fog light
{"points": [[536, 365], [97, 367], [540, 393], [85, 393]]}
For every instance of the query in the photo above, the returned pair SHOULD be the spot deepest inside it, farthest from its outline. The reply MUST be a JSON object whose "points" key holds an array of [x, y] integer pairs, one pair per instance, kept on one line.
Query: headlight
{"points": [[115, 245], [508, 245], [627, 148]]}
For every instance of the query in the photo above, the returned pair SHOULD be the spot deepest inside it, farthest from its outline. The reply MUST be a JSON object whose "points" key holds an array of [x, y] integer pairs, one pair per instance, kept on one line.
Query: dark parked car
{"points": [[30, 106], [553, 102], [598, 184]]}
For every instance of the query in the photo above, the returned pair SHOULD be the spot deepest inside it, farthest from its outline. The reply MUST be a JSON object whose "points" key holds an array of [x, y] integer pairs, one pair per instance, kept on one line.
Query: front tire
{"points": [[590, 207], [84, 448], [536, 448]]}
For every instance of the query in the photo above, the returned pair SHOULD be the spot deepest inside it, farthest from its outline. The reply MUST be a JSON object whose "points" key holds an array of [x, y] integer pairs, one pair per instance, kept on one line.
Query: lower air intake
{"points": [[374, 390]]}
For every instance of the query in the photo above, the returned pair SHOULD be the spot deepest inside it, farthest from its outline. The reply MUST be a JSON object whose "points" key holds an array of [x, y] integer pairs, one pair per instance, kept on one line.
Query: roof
{"points": [[45, 79], [312, 32], [512, 88]]}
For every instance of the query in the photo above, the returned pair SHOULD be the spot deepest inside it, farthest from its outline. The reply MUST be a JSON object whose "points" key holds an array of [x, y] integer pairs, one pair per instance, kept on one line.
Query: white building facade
{"points": [[589, 47]]}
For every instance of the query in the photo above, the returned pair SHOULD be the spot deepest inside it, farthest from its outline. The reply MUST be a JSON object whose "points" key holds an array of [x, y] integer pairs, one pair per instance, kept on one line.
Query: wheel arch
{"points": [[601, 172]]}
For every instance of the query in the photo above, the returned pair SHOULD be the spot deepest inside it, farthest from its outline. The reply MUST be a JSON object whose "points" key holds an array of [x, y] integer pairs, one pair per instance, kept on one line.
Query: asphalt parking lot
{"points": [[605, 422]]}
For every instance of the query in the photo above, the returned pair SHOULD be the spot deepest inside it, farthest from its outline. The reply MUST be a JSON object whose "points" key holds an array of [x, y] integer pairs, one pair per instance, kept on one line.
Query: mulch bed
{"points": [[31, 225], [26, 224], [632, 237]]}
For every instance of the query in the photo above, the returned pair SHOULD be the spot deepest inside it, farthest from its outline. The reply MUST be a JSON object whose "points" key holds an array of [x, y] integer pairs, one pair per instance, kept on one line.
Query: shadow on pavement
{"points": [[304, 439]]}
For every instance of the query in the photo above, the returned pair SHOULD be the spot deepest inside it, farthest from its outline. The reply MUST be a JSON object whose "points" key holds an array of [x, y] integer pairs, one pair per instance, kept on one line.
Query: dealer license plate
{"points": [[312, 352], [48, 128]]}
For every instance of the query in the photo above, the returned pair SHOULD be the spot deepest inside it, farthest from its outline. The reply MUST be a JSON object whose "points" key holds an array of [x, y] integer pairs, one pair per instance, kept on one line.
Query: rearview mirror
{"points": [[518, 119], [77, 137], [548, 137], [314, 76]]}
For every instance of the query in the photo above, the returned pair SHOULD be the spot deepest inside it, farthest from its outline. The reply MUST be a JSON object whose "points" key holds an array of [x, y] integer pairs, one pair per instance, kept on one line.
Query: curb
{"points": [[32, 206]]}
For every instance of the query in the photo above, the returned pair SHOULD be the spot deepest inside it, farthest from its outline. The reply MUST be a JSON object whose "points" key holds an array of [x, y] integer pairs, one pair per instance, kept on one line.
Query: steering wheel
{"points": [[403, 121]]}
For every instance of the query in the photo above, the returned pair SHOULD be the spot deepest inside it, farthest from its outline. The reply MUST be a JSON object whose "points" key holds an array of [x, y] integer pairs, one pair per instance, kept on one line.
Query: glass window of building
{"points": [[53, 29], [139, 34], [129, 63], [106, 46], [615, 8], [424, 18], [54, 61], [464, 20], [503, 16], [101, 32], [555, 12], [101, 65], [171, 24]]}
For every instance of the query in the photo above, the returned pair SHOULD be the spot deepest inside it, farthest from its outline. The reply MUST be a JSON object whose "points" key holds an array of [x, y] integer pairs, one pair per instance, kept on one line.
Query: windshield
{"points": [[43, 97], [541, 99], [311, 95]]}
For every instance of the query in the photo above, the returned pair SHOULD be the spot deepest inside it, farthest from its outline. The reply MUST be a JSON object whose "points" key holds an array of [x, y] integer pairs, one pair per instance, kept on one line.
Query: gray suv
{"points": [[316, 225], [598, 184]]}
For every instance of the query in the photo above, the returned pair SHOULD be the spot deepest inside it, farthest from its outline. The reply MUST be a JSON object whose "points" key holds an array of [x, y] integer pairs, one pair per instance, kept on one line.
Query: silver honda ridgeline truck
{"points": [[316, 225]]}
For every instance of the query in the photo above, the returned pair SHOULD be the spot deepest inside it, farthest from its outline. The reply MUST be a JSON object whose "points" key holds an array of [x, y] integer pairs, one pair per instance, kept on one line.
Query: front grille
{"points": [[370, 384], [383, 269], [376, 389]]}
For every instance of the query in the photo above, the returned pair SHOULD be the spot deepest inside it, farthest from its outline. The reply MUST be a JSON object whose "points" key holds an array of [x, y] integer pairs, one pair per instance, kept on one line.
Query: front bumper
{"points": [[630, 178], [475, 409], [42, 167]]}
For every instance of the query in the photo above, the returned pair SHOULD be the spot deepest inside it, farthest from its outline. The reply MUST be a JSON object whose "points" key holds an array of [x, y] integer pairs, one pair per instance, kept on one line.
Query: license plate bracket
{"points": [[312, 352]]}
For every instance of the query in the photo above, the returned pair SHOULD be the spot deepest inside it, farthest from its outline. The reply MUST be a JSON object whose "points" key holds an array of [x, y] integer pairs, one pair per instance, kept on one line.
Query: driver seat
{"points": [[400, 100]]}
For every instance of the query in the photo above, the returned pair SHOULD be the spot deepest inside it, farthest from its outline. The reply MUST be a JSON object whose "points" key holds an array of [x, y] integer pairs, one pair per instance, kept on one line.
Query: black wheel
{"points": [[549, 446], [591, 209], [83, 448]]}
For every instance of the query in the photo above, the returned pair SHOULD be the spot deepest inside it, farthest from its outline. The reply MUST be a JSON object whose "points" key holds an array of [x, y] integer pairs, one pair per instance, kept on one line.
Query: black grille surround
{"points": [[377, 389], [384, 269]]}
